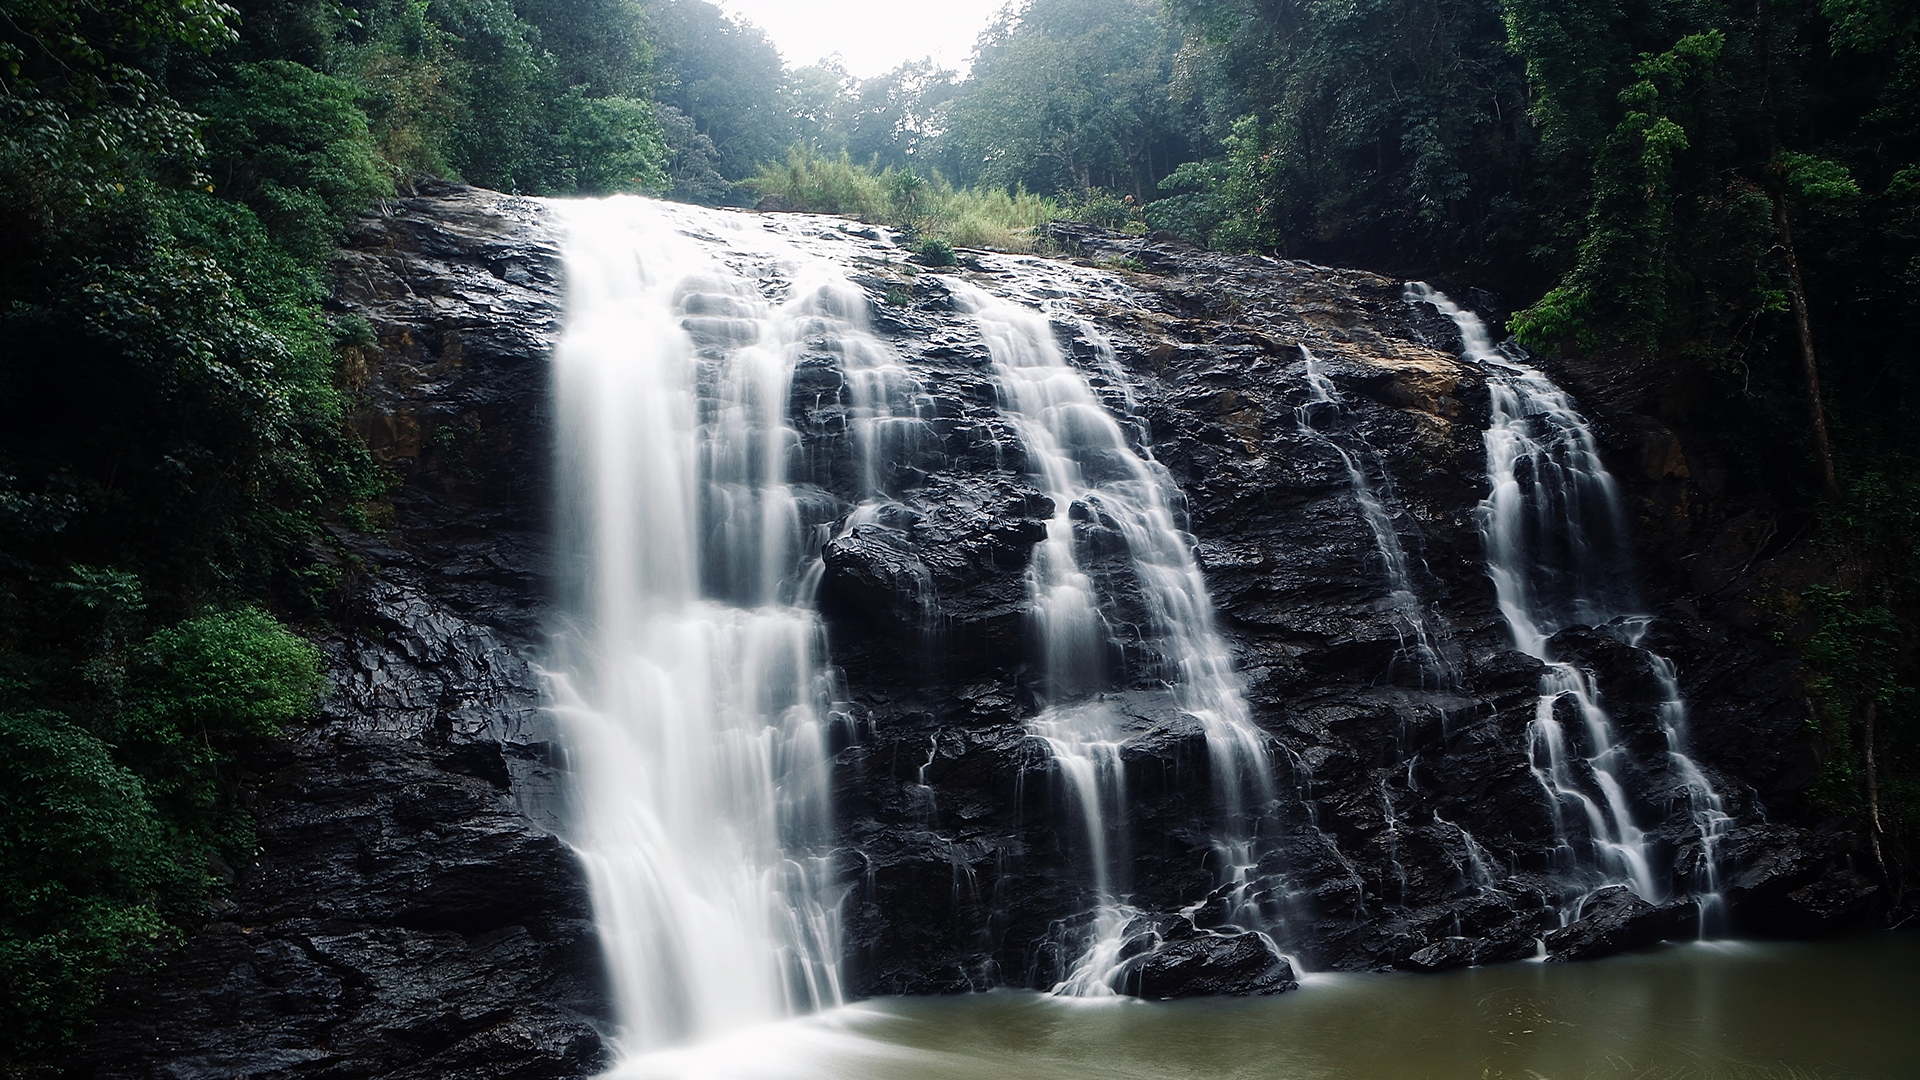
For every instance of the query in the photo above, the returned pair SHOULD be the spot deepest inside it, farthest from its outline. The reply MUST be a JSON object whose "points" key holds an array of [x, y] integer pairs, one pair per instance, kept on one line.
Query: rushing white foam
{"points": [[688, 677]]}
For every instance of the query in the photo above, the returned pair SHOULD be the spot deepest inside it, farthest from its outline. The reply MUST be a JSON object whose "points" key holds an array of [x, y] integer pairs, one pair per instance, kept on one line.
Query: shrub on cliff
{"points": [[110, 818], [83, 867], [196, 692]]}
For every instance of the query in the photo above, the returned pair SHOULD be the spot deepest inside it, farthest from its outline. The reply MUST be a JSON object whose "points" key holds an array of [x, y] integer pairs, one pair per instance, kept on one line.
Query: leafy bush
{"points": [[104, 840], [608, 144], [936, 253], [1107, 209], [232, 674], [928, 207], [293, 145], [84, 868], [198, 691]]}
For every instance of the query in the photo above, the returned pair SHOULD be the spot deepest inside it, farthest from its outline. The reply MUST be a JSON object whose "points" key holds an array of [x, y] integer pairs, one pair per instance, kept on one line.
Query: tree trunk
{"points": [[1873, 790], [1797, 297]]}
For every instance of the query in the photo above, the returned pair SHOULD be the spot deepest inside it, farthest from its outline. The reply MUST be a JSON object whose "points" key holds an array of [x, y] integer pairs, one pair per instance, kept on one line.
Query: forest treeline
{"points": [[1727, 195]]}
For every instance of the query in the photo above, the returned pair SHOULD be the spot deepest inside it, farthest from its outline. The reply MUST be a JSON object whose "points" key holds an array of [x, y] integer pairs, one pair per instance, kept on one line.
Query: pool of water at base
{"points": [[1741, 1011]]}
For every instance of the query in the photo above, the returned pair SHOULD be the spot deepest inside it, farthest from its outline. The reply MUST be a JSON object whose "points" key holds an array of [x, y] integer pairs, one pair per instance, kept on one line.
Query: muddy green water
{"points": [[1827, 1011]]}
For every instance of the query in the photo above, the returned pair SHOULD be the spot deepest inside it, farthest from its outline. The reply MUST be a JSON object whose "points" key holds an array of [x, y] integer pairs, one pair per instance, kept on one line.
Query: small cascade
{"points": [[688, 676], [1391, 822], [1557, 554], [887, 405], [1705, 805], [930, 816], [1479, 866], [1080, 457], [1303, 794], [1619, 846], [1417, 638]]}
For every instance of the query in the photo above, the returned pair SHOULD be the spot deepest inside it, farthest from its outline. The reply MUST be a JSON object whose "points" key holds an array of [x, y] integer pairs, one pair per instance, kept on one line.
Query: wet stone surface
{"points": [[411, 912]]}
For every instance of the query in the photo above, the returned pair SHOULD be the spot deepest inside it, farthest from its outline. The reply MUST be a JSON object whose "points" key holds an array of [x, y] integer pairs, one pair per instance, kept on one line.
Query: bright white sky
{"points": [[872, 36]]}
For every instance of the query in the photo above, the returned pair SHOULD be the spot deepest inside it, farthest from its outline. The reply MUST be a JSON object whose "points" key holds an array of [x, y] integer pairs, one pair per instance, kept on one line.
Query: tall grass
{"points": [[928, 209]]}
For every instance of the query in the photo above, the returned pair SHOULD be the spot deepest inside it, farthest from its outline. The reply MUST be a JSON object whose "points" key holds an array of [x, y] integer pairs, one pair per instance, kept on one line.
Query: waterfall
{"points": [[1417, 639], [1079, 456], [1705, 805], [1556, 544], [687, 674]]}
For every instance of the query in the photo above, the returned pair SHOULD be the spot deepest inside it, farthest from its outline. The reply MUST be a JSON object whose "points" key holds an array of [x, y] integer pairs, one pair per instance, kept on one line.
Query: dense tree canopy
{"points": [[727, 77], [1070, 95]]}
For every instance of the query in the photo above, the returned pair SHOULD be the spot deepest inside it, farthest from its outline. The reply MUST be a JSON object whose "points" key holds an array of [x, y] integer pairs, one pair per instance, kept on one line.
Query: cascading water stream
{"points": [[1706, 806], [1555, 538], [689, 679], [1079, 455], [1417, 639]]}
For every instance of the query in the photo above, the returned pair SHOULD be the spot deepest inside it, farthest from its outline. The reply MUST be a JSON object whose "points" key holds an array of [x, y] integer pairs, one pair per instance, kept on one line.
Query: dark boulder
{"points": [[1614, 920], [1209, 964]]}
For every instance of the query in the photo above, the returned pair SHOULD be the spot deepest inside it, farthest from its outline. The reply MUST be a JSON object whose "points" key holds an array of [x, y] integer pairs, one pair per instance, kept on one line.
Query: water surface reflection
{"points": [[1745, 1011]]}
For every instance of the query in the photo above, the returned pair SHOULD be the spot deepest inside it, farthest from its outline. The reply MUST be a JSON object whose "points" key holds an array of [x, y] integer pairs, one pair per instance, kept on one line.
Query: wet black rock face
{"points": [[412, 914], [1411, 831]]}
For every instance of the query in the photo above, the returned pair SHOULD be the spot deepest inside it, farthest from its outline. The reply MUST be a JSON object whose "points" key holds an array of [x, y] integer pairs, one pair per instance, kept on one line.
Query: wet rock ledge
{"points": [[411, 914]]}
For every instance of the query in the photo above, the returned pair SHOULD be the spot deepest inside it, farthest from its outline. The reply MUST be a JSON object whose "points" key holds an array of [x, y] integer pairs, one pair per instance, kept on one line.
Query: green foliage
{"points": [[521, 95], [891, 120], [1386, 133], [197, 691], [1070, 95], [1224, 202], [1561, 315], [102, 839], [291, 144], [828, 185], [84, 870], [234, 674], [936, 253], [598, 46], [220, 394], [607, 144], [1198, 207], [929, 207], [727, 78], [1860, 657], [693, 162], [1629, 268], [171, 437], [78, 113], [409, 83], [505, 82], [1817, 180], [1107, 209]]}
